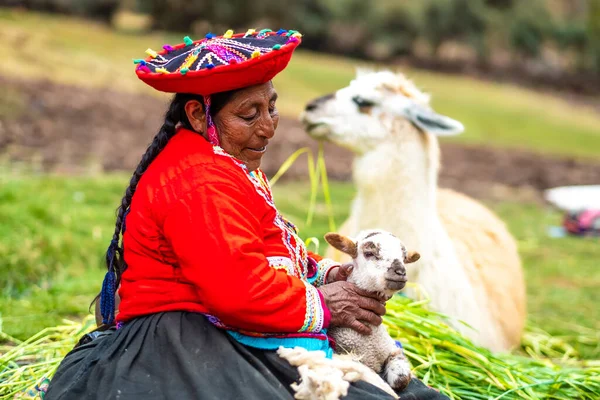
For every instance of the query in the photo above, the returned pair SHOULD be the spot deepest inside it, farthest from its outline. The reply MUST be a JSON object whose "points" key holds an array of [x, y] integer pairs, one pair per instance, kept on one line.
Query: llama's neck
{"points": [[396, 186], [396, 192]]}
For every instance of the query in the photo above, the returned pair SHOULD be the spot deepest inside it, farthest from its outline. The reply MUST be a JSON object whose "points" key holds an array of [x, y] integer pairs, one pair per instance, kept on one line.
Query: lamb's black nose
{"points": [[398, 268], [316, 102]]}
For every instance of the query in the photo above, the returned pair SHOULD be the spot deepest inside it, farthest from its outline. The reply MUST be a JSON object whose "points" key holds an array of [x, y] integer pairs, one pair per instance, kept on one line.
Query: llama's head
{"points": [[379, 260], [363, 114]]}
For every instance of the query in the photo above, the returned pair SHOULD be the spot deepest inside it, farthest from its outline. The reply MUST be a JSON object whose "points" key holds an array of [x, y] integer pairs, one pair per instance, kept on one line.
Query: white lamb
{"points": [[379, 260]]}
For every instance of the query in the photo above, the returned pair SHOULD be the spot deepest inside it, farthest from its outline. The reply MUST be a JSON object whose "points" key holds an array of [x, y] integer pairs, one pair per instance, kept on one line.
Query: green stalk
{"points": [[313, 175], [325, 186], [288, 163], [312, 240]]}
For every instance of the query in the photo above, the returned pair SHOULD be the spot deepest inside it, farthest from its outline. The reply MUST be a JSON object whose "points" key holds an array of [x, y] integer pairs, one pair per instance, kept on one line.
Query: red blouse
{"points": [[203, 235]]}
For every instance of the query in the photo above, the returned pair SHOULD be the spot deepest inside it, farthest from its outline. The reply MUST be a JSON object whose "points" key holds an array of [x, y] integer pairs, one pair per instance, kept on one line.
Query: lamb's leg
{"points": [[355, 370], [397, 370]]}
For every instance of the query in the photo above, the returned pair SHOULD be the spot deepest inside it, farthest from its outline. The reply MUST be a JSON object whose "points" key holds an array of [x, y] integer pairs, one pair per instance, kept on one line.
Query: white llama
{"points": [[469, 262]]}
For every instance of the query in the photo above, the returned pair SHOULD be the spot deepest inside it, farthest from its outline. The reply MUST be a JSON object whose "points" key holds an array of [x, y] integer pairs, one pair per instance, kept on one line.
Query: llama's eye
{"points": [[362, 103]]}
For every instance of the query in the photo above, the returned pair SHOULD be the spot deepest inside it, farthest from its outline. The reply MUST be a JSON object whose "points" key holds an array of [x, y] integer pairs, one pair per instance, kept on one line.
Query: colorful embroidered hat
{"points": [[218, 64]]}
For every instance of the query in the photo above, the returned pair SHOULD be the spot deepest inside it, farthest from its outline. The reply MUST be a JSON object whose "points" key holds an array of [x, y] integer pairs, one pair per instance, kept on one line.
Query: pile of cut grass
{"points": [[24, 364], [448, 361]]}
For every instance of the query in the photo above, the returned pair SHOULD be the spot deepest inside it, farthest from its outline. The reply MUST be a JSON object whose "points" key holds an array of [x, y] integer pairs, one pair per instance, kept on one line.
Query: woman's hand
{"points": [[352, 307], [341, 273]]}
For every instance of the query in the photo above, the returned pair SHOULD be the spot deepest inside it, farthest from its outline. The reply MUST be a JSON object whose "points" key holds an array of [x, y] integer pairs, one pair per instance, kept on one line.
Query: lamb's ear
{"points": [[430, 121], [342, 243], [412, 257]]}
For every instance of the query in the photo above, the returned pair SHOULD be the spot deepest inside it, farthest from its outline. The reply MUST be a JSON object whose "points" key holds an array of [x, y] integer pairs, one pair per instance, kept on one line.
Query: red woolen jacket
{"points": [[203, 235]]}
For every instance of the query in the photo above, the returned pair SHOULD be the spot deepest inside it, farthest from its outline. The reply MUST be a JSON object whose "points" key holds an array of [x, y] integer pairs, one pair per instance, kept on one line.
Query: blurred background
{"points": [[523, 76]]}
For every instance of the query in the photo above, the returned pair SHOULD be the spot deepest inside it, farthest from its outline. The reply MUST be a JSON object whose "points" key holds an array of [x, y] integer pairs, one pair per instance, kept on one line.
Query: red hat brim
{"points": [[221, 78]]}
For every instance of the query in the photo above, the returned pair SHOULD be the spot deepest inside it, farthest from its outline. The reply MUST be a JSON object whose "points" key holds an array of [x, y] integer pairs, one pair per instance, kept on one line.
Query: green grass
{"points": [[562, 273], [55, 229], [85, 53]]}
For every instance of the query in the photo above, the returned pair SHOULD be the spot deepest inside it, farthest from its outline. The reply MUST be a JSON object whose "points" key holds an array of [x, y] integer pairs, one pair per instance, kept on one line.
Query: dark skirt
{"points": [[180, 355]]}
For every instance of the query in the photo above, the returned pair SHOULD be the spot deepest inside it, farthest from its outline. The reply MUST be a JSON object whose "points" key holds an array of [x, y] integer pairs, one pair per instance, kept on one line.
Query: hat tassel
{"points": [[211, 131]]}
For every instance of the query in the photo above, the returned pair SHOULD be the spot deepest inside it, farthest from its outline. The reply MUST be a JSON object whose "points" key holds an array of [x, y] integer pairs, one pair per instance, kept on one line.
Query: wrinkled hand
{"points": [[340, 273], [352, 307]]}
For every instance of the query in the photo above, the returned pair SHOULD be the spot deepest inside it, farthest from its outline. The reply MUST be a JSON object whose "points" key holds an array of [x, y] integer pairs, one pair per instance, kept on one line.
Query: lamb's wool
{"points": [[378, 257], [323, 378]]}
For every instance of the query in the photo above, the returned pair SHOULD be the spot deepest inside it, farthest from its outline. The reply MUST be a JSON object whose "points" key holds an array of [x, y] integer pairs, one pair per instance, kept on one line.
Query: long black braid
{"points": [[115, 261]]}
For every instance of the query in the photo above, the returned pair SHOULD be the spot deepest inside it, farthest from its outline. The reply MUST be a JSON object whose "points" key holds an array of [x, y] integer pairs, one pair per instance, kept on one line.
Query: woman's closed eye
{"points": [[250, 116]]}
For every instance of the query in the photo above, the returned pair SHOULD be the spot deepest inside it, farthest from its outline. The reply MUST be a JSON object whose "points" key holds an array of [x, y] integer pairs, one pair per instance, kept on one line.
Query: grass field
{"points": [[55, 229], [57, 237], [88, 54]]}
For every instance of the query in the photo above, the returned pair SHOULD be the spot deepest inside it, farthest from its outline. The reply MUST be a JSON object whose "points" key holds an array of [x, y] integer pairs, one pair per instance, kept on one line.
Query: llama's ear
{"points": [[432, 122], [412, 257], [342, 243]]}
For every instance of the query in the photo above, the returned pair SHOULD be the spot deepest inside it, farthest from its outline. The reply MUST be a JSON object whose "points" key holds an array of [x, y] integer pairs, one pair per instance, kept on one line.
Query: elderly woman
{"points": [[212, 279]]}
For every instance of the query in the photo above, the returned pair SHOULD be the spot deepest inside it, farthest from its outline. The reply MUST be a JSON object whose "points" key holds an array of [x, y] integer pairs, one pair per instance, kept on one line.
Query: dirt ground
{"points": [[57, 128]]}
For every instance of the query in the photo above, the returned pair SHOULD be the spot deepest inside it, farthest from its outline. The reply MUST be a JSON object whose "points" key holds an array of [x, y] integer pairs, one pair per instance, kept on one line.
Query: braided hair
{"points": [[115, 261]]}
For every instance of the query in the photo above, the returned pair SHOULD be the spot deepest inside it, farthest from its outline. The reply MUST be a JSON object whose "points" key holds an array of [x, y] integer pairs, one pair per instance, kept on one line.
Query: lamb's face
{"points": [[379, 260], [361, 115], [379, 265]]}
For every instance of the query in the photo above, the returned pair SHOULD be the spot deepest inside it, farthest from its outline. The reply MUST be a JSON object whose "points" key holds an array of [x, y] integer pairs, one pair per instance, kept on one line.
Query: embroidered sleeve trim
{"points": [[323, 268], [284, 263], [315, 314]]}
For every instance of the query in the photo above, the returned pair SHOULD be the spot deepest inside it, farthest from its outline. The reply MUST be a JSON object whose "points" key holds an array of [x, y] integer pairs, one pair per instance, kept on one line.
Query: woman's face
{"points": [[247, 122]]}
